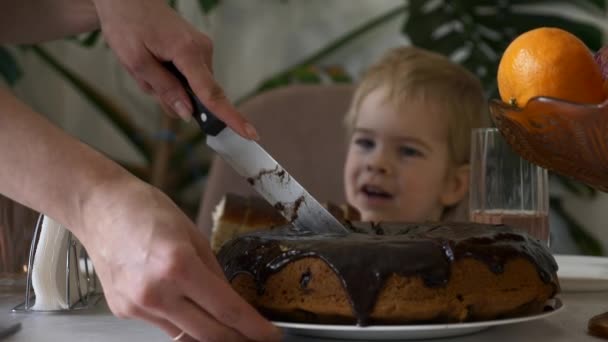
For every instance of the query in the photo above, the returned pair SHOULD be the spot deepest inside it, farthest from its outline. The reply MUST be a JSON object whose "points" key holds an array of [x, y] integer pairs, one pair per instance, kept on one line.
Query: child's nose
{"points": [[378, 164], [377, 169]]}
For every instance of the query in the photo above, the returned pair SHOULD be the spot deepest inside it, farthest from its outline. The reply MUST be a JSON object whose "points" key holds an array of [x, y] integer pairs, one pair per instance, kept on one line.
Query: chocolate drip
{"points": [[364, 259]]}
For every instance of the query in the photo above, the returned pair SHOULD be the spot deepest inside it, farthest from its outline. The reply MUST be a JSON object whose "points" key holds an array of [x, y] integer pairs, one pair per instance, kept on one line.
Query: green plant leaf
{"points": [[522, 22], [208, 5], [275, 82], [587, 244], [90, 39], [306, 74], [600, 3], [87, 39], [9, 68], [337, 74], [591, 6], [116, 115], [575, 187]]}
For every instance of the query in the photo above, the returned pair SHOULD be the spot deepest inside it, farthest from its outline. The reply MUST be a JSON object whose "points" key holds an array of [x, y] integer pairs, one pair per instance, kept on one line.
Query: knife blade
{"points": [[261, 171]]}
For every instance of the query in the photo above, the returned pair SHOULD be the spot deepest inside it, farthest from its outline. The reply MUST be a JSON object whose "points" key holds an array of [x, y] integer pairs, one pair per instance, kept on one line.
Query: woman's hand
{"points": [[144, 33], [155, 266]]}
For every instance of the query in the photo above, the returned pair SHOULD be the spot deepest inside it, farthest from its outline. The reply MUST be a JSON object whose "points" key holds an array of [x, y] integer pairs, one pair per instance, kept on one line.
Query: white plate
{"points": [[582, 273], [404, 332]]}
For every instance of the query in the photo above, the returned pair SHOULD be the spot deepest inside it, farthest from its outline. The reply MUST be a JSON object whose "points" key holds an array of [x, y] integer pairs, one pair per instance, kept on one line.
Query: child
{"points": [[410, 124]]}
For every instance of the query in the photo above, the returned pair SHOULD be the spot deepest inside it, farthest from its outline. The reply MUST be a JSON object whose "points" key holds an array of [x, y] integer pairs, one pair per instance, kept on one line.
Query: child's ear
{"points": [[457, 185]]}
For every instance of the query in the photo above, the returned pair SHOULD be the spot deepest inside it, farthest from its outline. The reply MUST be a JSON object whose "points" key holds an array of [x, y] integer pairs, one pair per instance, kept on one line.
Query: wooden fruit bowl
{"points": [[564, 137]]}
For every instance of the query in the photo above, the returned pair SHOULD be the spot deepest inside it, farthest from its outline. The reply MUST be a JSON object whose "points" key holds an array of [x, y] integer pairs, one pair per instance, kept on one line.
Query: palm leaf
{"points": [[208, 5], [577, 188], [114, 113], [338, 74], [583, 239], [89, 39], [9, 69]]}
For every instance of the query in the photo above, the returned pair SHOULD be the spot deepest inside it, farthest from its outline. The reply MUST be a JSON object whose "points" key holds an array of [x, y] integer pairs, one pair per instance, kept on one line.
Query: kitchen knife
{"points": [[262, 172]]}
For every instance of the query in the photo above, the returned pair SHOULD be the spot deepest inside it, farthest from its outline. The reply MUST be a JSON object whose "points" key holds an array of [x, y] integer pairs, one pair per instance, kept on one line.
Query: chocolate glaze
{"points": [[364, 259], [279, 206], [288, 209], [296, 206], [276, 172]]}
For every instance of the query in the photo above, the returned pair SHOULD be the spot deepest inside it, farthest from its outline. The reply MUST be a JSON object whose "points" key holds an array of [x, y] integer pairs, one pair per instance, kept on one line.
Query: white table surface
{"points": [[98, 324]]}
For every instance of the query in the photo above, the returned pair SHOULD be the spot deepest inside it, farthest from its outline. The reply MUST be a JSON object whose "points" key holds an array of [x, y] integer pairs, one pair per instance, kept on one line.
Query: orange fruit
{"points": [[549, 62]]}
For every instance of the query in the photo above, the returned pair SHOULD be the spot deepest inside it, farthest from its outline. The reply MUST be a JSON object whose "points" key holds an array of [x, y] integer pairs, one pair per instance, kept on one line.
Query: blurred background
{"points": [[264, 44]]}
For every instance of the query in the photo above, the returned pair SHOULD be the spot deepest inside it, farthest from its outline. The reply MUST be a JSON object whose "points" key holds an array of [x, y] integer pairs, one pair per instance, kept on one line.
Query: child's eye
{"points": [[365, 143], [408, 151]]}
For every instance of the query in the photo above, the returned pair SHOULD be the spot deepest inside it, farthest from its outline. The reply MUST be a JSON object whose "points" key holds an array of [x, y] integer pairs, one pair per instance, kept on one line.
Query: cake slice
{"points": [[236, 215]]}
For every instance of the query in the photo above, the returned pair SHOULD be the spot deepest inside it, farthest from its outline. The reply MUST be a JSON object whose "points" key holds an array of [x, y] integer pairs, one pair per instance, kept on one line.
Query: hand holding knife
{"points": [[264, 174]]}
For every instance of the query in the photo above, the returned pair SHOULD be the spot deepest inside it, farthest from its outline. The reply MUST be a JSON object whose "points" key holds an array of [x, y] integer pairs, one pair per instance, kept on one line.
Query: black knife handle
{"points": [[205, 118]]}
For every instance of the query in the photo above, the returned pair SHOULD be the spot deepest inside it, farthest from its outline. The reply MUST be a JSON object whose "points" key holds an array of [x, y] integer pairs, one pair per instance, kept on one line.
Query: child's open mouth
{"points": [[375, 192]]}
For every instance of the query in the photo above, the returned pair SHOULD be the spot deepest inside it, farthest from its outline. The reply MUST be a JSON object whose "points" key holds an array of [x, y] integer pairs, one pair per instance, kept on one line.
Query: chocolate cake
{"points": [[392, 273]]}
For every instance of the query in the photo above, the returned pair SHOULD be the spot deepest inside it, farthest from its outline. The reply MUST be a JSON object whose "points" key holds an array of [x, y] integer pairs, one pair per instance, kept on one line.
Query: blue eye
{"points": [[364, 143], [409, 152]]}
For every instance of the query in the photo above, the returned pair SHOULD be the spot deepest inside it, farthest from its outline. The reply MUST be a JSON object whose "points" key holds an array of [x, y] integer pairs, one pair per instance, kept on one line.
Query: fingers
{"points": [[211, 94], [220, 301], [151, 75], [141, 45], [165, 305], [166, 108], [174, 314], [195, 322], [205, 253], [145, 86], [169, 328]]}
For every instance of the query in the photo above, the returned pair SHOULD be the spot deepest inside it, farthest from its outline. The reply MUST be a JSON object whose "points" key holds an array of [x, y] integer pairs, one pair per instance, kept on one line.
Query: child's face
{"points": [[397, 166]]}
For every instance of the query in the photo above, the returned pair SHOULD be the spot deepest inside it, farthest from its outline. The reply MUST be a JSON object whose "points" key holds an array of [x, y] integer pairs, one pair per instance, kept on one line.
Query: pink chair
{"points": [[301, 127]]}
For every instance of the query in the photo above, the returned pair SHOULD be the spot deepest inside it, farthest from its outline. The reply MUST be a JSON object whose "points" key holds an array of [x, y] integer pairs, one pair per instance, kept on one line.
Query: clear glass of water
{"points": [[506, 189]]}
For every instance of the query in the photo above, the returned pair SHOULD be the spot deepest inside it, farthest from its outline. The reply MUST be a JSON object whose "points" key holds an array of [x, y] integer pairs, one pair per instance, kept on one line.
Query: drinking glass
{"points": [[506, 189]]}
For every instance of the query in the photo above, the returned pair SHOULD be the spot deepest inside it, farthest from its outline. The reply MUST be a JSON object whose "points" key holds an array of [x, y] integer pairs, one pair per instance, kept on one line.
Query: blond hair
{"points": [[411, 73]]}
